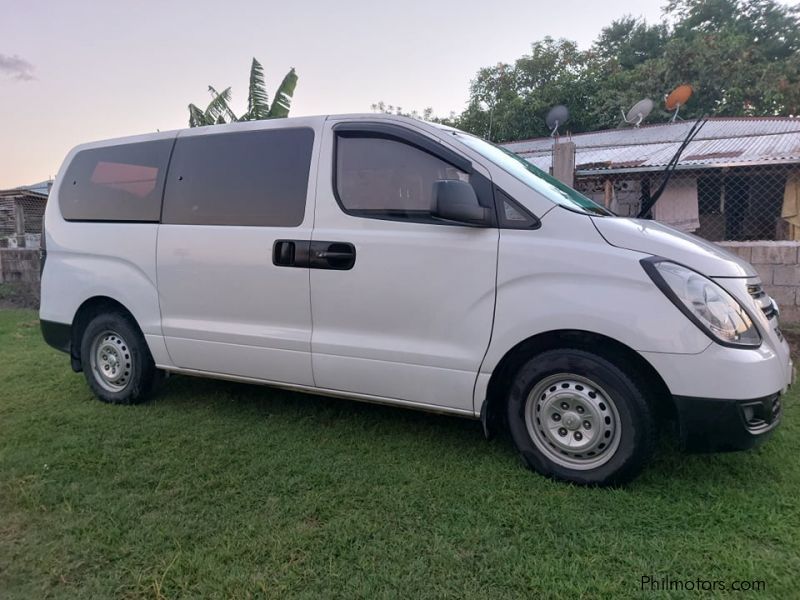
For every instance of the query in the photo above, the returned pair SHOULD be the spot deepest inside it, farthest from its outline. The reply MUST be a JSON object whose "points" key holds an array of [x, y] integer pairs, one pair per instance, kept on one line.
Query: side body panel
{"points": [[226, 307], [84, 260], [89, 259], [412, 319], [565, 276]]}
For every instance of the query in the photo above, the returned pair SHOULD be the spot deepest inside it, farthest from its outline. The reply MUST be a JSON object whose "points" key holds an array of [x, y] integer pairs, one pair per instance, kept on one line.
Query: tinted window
{"points": [[512, 215], [116, 183], [383, 178], [245, 178]]}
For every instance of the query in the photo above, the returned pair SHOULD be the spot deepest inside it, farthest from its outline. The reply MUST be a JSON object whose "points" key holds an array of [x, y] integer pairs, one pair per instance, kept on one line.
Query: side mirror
{"points": [[455, 200]]}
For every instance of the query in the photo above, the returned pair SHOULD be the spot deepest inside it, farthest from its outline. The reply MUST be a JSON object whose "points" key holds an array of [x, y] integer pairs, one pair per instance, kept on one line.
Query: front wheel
{"points": [[116, 360], [575, 416]]}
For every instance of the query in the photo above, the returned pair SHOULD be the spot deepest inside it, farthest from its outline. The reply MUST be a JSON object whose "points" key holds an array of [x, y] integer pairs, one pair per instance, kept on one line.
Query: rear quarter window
{"points": [[254, 178], [116, 183]]}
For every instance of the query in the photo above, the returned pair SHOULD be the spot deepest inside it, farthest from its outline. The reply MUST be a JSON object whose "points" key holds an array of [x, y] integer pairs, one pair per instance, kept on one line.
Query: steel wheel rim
{"points": [[111, 361], [573, 421]]}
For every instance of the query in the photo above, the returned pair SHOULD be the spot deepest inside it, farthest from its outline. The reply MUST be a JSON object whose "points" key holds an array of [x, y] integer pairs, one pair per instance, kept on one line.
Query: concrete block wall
{"points": [[19, 265], [778, 264]]}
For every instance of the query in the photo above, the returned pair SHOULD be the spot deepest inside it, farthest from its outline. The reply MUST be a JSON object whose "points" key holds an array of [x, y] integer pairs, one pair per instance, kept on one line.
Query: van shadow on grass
{"points": [[234, 398], [245, 403]]}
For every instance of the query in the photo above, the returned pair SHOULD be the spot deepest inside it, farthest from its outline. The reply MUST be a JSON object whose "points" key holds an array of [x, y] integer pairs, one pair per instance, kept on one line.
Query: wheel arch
{"points": [[88, 309], [493, 409]]}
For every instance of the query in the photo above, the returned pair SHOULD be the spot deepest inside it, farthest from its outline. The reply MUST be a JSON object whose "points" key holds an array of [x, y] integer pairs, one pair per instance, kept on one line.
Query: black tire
{"points": [[138, 375], [536, 431]]}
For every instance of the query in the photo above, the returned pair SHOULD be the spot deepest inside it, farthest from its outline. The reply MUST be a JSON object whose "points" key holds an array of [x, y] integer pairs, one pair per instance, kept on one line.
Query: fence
{"points": [[719, 204], [19, 265], [21, 220]]}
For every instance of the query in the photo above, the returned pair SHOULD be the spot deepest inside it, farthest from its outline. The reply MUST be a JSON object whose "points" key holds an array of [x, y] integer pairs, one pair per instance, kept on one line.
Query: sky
{"points": [[80, 70]]}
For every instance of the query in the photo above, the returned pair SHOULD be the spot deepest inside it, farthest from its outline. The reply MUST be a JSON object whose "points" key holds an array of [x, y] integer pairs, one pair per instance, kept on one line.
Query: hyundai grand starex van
{"points": [[389, 260]]}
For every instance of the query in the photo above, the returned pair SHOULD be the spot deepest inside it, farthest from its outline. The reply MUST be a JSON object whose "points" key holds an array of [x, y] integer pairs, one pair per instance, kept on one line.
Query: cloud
{"points": [[16, 67]]}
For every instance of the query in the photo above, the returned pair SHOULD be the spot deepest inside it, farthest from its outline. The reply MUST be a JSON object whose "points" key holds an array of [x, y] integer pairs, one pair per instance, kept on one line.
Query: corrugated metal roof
{"points": [[41, 189], [741, 141]]}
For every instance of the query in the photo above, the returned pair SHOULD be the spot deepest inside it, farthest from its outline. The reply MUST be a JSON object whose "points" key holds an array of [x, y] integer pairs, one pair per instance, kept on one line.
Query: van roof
{"points": [[315, 120]]}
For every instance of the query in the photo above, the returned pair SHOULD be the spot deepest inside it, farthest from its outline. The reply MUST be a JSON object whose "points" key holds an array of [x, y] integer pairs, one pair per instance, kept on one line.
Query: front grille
{"points": [[764, 302]]}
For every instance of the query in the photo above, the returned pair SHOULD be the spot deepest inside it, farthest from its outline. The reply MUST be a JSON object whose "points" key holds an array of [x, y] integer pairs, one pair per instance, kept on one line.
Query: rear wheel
{"points": [[575, 416], [116, 361]]}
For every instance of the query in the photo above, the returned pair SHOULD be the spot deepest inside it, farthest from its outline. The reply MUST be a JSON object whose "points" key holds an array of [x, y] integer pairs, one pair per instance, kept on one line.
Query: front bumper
{"points": [[727, 398], [712, 425]]}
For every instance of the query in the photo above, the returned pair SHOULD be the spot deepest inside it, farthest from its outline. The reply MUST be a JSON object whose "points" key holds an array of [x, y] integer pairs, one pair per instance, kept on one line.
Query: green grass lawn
{"points": [[218, 489]]}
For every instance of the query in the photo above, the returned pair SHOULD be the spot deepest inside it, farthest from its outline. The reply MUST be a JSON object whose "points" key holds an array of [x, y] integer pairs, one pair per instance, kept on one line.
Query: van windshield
{"points": [[544, 183]]}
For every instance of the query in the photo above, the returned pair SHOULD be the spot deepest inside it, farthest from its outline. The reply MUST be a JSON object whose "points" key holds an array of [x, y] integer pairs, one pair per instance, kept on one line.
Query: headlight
{"points": [[706, 304]]}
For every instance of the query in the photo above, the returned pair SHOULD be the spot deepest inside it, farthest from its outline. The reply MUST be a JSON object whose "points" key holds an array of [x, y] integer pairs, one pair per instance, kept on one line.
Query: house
{"points": [[739, 179], [21, 213]]}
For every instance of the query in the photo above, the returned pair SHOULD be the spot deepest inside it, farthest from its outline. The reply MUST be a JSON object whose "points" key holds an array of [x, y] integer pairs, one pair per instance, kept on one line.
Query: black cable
{"points": [[648, 203]]}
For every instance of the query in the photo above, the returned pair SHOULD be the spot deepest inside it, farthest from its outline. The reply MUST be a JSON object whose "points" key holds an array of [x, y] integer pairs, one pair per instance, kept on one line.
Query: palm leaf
{"points": [[197, 117], [257, 98], [283, 97], [218, 107]]}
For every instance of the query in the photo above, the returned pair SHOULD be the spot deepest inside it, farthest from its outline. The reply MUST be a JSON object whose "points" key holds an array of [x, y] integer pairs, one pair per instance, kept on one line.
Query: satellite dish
{"points": [[557, 116], [638, 112], [677, 98]]}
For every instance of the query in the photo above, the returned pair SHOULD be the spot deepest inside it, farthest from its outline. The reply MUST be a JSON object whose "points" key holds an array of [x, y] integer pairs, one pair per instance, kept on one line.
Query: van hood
{"points": [[651, 237]]}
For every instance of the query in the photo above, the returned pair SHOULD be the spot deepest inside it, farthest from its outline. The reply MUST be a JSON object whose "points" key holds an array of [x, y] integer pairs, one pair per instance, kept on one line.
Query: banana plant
{"points": [[215, 112], [258, 106], [283, 97]]}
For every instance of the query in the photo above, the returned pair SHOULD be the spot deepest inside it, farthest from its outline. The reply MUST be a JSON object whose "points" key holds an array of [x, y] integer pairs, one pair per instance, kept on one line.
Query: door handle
{"points": [[283, 253], [337, 256], [291, 253], [329, 255], [304, 254]]}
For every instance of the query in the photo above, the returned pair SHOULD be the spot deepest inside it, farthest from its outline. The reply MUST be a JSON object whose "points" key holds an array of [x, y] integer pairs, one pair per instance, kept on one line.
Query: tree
{"points": [[258, 107], [629, 42], [742, 57], [425, 115], [509, 102]]}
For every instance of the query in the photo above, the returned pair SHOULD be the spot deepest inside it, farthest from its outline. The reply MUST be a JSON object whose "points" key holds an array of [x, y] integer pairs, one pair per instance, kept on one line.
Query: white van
{"points": [[389, 260]]}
